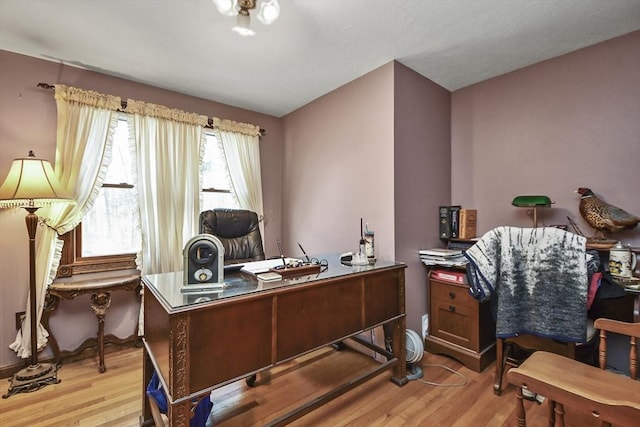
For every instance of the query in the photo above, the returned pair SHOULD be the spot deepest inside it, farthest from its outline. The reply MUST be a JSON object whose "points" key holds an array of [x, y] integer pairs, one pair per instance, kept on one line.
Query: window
{"points": [[114, 210], [108, 238], [215, 177]]}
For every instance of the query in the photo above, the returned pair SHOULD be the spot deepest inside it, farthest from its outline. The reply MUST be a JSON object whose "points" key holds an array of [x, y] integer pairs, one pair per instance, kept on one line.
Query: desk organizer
{"points": [[301, 270]]}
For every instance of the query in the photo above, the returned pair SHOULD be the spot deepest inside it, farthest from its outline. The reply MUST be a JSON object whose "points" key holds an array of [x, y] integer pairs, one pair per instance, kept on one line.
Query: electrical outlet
{"points": [[19, 318]]}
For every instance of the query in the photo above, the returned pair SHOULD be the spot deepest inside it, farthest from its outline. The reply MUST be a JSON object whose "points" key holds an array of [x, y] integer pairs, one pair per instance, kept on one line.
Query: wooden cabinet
{"points": [[459, 326]]}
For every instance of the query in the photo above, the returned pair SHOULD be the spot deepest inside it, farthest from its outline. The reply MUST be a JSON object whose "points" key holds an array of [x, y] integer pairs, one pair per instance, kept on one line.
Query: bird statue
{"points": [[602, 216]]}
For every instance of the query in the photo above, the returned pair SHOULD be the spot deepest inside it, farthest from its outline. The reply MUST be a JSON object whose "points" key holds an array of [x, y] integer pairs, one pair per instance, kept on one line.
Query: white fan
{"points": [[415, 350]]}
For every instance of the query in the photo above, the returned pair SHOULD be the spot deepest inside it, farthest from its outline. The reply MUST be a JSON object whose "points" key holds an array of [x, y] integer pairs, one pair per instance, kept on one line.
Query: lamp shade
{"points": [[31, 182], [530, 201]]}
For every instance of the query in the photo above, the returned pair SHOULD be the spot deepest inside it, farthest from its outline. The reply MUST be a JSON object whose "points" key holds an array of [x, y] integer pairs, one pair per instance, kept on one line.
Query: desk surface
{"points": [[240, 283], [196, 346]]}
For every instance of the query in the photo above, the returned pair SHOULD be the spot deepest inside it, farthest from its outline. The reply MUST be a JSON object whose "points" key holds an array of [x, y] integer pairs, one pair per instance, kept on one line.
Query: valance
{"points": [[87, 97], [161, 112], [233, 126], [111, 102]]}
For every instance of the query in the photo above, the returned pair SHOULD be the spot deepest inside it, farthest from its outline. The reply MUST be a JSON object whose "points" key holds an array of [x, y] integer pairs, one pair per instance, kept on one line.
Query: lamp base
{"points": [[32, 378]]}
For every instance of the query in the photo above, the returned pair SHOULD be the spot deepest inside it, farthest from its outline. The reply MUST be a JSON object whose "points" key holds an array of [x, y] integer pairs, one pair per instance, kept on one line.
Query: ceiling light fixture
{"points": [[268, 12]]}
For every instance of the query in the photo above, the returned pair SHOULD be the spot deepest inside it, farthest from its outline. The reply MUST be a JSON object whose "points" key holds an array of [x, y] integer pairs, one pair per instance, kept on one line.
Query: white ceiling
{"points": [[314, 47]]}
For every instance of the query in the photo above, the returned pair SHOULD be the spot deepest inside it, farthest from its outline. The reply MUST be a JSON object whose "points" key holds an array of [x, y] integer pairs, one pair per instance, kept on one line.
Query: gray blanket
{"points": [[536, 279]]}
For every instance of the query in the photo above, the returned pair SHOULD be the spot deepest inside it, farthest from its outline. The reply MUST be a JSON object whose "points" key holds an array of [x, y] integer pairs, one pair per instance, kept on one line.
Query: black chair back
{"points": [[239, 232]]}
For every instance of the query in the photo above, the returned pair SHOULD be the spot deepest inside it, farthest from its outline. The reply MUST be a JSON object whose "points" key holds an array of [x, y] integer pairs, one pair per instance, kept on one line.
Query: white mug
{"points": [[622, 261]]}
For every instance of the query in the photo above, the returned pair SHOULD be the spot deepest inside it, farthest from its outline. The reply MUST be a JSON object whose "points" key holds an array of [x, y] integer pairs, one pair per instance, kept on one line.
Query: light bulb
{"points": [[269, 11], [227, 7], [243, 25]]}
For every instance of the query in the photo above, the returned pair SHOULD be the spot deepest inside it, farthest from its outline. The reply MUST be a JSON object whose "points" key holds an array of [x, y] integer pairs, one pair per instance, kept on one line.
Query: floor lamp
{"points": [[32, 184]]}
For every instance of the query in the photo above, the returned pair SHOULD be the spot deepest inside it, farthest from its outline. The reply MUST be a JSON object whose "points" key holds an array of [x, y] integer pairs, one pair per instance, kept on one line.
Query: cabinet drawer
{"points": [[455, 323], [451, 292], [454, 314]]}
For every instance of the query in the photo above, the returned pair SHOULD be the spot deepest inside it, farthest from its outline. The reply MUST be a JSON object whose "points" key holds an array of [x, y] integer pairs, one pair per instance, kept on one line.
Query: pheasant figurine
{"points": [[602, 216]]}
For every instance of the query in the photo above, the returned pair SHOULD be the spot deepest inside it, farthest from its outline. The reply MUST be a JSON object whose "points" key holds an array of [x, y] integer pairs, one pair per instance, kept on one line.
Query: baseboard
{"points": [[82, 352]]}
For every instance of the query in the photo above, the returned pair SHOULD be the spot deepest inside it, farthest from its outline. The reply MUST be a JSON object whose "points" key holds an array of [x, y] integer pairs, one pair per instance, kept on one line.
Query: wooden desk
{"points": [[250, 326], [100, 289]]}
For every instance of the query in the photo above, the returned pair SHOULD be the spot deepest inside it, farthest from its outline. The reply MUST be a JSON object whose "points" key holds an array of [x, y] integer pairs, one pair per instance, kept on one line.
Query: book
{"points": [[441, 252], [454, 214], [449, 219], [445, 224], [450, 276], [468, 223], [456, 261]]}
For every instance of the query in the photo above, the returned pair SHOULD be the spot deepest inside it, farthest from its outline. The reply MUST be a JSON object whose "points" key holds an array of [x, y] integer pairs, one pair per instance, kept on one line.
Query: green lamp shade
{"points": [[531, 201]]}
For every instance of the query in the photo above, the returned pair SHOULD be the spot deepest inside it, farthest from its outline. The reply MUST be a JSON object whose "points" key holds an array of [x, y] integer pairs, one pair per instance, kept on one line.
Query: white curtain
{"points": [[168, 145], [241, 147], [86, 125]]}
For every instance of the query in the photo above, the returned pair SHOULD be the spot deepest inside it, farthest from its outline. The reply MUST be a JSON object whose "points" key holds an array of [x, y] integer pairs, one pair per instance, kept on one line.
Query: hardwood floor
{"points": [[87, 398]]}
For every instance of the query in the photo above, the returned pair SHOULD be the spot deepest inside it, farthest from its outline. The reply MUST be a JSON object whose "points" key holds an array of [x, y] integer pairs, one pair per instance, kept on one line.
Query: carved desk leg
{"points": [[100, 303]]}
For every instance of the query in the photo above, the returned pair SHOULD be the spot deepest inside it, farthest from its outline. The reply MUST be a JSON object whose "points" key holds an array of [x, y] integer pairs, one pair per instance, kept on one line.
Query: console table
{"points": [[199, 342], [100, 287]]}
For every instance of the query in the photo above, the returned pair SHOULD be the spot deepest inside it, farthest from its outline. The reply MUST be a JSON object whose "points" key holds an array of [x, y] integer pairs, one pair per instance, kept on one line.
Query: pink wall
{"points": [[28, 121], [376, 148], [569, 122], [422, 170], [338, 153]]}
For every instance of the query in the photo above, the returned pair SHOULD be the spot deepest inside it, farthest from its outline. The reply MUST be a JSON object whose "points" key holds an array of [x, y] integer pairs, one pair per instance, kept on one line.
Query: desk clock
{"points": [[203, 260]]}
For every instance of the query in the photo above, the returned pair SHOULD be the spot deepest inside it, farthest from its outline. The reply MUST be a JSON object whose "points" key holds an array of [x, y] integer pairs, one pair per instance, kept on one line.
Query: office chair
{"points": [[238, 231], [537, 282]]}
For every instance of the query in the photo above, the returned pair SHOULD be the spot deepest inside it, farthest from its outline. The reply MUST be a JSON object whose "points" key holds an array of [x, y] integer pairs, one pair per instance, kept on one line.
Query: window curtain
{"points": [[241, 147], [86, 125], [168, 145]]}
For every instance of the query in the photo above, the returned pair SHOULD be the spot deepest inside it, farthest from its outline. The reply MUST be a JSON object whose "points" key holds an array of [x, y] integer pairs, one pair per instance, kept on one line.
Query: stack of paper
{"points": [[444, 257]]}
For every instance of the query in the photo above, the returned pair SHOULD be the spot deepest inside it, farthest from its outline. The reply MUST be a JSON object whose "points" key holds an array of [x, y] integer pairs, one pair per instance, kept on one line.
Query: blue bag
{"points": [[201, 414]]}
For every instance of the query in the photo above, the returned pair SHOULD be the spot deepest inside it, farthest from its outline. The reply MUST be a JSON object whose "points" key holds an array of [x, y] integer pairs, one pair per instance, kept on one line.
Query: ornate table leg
{"points": [[100, 302]]}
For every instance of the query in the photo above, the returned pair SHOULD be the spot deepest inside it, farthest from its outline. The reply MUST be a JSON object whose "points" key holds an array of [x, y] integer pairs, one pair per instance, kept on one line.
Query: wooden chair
{"points": [[510, 351], [610, 397]]}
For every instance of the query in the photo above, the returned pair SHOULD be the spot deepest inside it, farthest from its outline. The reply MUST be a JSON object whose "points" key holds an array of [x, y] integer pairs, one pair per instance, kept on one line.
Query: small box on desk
{"points": [[300, 270]]}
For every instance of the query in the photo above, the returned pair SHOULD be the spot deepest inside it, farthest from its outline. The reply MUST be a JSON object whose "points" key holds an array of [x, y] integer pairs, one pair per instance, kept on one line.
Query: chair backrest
{"points": [[632, 330], [239, 232]]}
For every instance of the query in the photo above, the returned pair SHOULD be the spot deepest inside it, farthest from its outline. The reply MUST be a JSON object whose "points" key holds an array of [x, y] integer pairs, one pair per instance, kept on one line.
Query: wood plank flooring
{"points": [[87, 398]]}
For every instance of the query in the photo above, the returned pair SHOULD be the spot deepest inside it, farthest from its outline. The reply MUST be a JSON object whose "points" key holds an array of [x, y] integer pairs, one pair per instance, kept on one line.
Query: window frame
{"points": [[72, 262]]}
